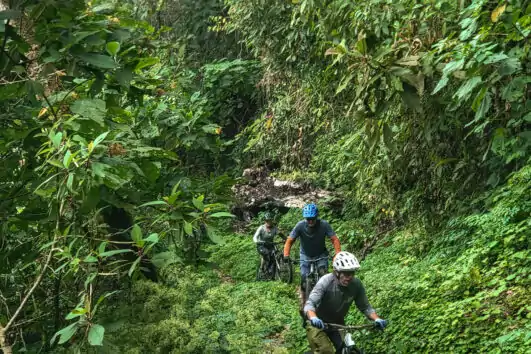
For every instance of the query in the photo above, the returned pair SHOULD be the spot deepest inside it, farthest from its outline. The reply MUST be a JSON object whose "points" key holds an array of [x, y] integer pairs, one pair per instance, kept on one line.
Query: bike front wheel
{"points": [[283, 270], [352, 350], [309, 284], [261, 273]]}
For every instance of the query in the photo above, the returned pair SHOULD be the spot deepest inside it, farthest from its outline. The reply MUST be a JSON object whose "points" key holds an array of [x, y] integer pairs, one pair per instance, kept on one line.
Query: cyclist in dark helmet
{"points": [[264, 236]]}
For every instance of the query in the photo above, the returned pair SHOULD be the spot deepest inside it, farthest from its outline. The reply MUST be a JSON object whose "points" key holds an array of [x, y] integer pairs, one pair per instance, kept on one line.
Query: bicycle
{"points": [[281, 270], [312, 278], [349, 345]]}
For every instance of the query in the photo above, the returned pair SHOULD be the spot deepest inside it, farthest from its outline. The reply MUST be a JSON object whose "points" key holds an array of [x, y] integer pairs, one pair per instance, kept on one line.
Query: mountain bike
{"points": [[349, 345], [312, 278], [277, 268]]}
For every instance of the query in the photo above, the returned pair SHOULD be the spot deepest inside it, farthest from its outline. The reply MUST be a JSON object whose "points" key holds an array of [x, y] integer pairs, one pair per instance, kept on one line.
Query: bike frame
{"points": [[276, 255], [349, 345]]}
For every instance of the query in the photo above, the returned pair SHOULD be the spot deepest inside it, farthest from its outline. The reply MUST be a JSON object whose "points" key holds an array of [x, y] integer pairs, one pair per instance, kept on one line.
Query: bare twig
{"points": [[32, 289], [3, 329], [51, 107], [368, 246], [5, 38]]}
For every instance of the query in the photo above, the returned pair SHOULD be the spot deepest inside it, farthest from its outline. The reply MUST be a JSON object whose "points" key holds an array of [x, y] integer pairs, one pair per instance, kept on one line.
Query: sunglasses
{"points": [[311, 219], [347, 274]]}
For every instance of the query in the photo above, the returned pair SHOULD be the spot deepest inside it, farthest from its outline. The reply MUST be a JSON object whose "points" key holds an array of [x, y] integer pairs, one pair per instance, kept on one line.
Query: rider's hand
{"points": [[316, 322], [380, 323]]}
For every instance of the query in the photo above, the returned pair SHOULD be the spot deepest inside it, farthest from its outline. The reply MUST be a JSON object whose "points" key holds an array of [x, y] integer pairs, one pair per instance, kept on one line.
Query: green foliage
{"points": [[123, 122], [461, 289], [238, 257], [85, 141], [402, 105], [194, 311]]}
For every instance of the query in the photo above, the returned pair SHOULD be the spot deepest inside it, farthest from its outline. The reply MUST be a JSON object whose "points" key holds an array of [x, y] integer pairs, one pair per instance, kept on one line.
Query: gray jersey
{"points": [[331, 302], [262, 235]]}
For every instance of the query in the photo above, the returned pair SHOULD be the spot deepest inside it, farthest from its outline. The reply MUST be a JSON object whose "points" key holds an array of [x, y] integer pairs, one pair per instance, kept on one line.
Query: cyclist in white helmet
{"points": [[330, 301]]}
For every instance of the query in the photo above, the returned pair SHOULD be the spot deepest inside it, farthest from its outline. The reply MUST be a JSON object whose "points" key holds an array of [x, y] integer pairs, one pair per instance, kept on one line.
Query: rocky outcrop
{"points": [[259, 191]]}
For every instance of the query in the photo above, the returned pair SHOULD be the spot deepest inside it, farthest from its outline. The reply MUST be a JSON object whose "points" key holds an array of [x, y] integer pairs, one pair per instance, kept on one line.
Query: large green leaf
{"points": [[155, 202], [482, 109], [344, 83], [112, 48], [136, 233], [198, 202], [188, 228], [151, 170], [96, 334], [133, 266], [453, 66], [56, 140], [98, 60], [222, 214], [100, 138], [516, 88], [509, 66], [441, 84], [163, 259], [65, 334], [153, 238], [466, 89], [93, 109], [114, 252], [124, 77], [145, 62]]}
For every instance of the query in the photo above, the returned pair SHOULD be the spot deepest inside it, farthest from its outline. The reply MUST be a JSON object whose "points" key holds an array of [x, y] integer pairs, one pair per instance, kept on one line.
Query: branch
{"points": [[51, 107], [3, 343], [368, 246], [5, 38], [31, 290], [3, 330]]}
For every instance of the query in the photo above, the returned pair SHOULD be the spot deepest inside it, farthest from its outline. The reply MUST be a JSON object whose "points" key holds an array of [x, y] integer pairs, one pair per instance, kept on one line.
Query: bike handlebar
{"points": [[351, 328], [310, 260], [270, 243]]}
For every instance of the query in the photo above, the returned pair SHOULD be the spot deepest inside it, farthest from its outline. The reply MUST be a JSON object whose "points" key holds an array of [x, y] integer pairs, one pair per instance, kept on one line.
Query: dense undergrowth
{"points": [[463, 289], [126, 122], [208, 310]]}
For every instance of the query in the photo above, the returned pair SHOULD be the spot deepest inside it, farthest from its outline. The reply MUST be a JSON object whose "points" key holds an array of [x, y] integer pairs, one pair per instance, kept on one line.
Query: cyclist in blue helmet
{"points": [[312, 232]]}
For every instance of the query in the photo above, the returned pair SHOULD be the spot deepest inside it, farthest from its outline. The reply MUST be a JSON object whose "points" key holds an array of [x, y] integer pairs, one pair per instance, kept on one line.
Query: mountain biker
{"points": [[264, 237], [330, 301], [312, 232]]}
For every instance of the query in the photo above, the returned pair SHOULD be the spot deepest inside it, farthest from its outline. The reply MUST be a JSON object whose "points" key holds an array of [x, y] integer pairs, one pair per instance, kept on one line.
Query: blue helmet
{"points": [[310, 211]]}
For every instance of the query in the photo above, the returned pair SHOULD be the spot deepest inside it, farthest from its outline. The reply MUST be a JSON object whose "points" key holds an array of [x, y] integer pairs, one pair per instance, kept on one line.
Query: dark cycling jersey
{"points": [[331, 302], [312, 238]]}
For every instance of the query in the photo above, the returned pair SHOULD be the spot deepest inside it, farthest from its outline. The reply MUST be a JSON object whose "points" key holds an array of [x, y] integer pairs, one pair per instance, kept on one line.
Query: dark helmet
{"points": [[268, 216]]}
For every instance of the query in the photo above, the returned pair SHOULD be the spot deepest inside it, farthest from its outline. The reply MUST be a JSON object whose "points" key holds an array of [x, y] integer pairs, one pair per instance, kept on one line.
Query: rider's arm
{"points": [[256, 237], [291, 240], [362, 302], [287, 246], [333, 237], [314, 300], [281, 235], [336, 243]]}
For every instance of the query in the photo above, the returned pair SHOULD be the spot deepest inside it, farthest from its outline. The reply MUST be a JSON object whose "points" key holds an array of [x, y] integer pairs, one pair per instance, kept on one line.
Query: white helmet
{"points": [[346, 262]]}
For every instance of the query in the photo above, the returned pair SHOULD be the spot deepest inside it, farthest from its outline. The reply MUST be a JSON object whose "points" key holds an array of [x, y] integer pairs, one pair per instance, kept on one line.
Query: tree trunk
{"points": [[6, 348]]}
